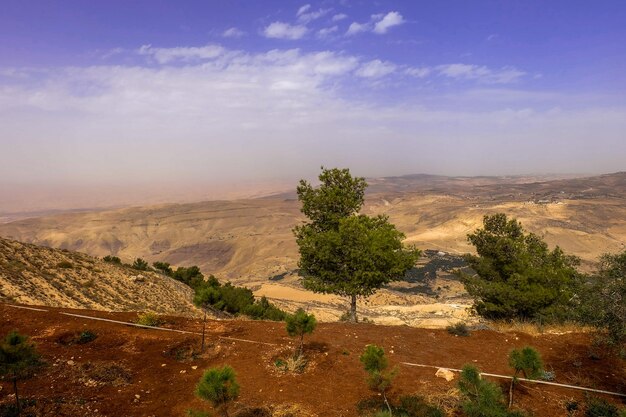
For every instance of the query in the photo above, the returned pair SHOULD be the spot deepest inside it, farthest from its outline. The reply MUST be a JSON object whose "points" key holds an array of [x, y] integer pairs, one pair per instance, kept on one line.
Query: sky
{"points": [[138, 92]]}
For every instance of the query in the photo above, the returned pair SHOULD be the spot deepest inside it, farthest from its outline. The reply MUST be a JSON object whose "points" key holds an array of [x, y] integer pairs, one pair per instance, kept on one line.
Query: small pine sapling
{"points": [[18, 357], [482, 398], [526, 361], [376, 364], [299, 324], [218, 386]]}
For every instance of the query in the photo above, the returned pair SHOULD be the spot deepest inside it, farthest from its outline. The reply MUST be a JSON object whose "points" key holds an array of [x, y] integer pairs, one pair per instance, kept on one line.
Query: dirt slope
{"points": [[33, 274], [127, 371]]}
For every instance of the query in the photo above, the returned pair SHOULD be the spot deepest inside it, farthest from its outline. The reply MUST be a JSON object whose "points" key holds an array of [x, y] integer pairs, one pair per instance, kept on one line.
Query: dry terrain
{"points": [[127, 371], [31, 274], [249, 242]]}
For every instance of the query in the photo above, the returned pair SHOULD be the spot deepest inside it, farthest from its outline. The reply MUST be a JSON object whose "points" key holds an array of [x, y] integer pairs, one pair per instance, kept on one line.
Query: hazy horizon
{"points": [[122, 96]]}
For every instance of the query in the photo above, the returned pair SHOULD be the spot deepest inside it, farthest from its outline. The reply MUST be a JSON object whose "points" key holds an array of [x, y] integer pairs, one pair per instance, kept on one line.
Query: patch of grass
{"points": [[107, 374], [459, 329], [149, 319], [86, 337]]}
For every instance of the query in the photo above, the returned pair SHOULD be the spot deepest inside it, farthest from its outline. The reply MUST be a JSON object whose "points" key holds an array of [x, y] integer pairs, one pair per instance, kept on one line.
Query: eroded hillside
{"points": [[31, 274]]}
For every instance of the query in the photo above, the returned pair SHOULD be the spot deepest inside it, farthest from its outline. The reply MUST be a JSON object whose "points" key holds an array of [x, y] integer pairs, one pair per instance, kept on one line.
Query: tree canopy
{"points": [[517, 276], [342, 252]]}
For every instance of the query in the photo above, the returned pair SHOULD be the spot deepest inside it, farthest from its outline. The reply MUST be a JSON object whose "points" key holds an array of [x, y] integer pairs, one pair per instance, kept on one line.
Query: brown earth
{"points": [[128, 371]]}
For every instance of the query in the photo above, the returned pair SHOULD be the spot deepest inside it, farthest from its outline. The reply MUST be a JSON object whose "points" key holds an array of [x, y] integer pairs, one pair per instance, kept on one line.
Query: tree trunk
{"points": [[511, 392], [301, 345], [203, 328], [387, 404], [17, 397], [353, 317]]}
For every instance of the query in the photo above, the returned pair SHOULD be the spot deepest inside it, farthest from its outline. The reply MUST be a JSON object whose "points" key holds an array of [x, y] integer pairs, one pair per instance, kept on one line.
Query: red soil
{"points": [[129, 371]]}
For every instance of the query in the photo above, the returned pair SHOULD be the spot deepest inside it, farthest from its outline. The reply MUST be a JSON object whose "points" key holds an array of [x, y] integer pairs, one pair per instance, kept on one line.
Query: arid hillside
{"points": [[248, 241], [31, 274], [128, 371]]}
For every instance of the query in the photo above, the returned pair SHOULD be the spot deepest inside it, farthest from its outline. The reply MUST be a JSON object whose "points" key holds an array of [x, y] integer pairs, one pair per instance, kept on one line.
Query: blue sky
{"points": [[148, 91]]}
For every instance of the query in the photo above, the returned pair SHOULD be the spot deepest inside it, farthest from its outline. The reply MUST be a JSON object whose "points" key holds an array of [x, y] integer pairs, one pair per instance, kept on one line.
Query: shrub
{"points": [[65, 265], [481, 398], [526, 361], [299, 324], [189, 275], [375, 364], [18, 357], [416, 406], [86, 337], [140, 265], [458, 329], [163, 267], [598, 407], [219, 386], [149, 319], [112, 259]]}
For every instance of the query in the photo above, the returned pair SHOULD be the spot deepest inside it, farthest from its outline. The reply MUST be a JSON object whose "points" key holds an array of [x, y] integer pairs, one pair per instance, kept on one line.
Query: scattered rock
{"points": [[447, 374]]}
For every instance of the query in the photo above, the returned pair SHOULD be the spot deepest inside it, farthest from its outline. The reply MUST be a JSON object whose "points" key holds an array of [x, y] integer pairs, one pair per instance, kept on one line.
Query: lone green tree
{"points": [[205, 297], [140, 264], [376, 365], [517, 276], [299, 324], [18, 357], [526, 361], [342, 252], [219, 386]]}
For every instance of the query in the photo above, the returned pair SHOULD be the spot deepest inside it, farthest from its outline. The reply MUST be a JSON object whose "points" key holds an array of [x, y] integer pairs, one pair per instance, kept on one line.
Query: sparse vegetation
{"points": [[149, 319], [603, 303], [140, 265], [299, 324], [112, 259], [65, 265], [481, 398], [458, 329], [517, 276], [219, 386], [163, 267], [599, 407], [526, 361], [380, 377], [342, 252], [18, 358]]}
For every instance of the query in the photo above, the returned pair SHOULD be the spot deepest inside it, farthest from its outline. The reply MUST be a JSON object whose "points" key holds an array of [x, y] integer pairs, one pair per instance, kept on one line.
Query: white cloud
{"points": [[355, 28], [186, 54], [391, 19], [418, 72], [375, 69], [483, 74], [314, 15], [303, 9], [282, 30], [326, 32], [233, 33], [339, 16], [234, 116]]}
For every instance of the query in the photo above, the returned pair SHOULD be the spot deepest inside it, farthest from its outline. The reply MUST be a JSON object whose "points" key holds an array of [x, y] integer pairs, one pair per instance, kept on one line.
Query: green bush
{"points": [[599, 407], [416, 406], [299, 324], [86, 337], [112, 259], [140, 265], [163, 267], [481, 398], [375, 364], [18, 358], [459, 329], [219, 386], [189, 275], [149, 319]]}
